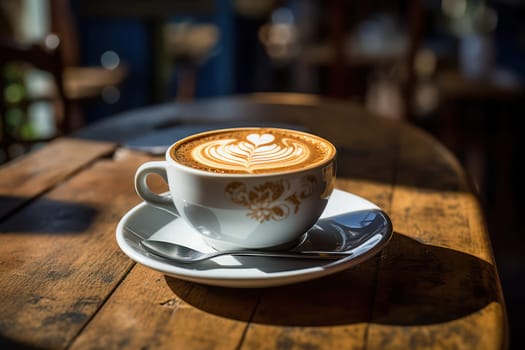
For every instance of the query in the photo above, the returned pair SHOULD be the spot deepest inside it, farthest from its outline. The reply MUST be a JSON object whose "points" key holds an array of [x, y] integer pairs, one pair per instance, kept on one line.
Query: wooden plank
{"points": [[24, 178], [328, 313], [58, 257], [438, 286], [426, 164], [150, 310]]}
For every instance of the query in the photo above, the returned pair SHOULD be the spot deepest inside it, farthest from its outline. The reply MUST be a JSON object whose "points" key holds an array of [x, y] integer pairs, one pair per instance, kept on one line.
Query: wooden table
{"points": [[66, 284]]}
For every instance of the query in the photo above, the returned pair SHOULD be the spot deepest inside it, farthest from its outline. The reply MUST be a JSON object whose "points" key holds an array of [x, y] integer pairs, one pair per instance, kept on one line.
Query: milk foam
{"points": [[253, 151]]}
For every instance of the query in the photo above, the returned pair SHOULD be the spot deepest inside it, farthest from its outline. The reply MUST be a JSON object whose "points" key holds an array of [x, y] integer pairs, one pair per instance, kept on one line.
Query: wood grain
{"points": [[59, 259], [25, 178], [437, 287], [171, 323]]}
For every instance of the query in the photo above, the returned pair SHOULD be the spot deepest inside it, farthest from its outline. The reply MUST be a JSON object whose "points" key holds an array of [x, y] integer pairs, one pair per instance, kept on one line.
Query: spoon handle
{"points": [[179, 253], [318, 255]]}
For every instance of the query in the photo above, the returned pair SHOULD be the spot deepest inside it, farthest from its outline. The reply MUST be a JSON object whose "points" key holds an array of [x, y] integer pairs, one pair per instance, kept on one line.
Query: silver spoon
{"points": [[183, 254]]}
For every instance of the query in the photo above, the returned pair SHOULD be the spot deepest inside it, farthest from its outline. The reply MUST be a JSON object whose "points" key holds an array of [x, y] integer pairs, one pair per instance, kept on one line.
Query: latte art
{"points": [[256, 152], [253, 151]]}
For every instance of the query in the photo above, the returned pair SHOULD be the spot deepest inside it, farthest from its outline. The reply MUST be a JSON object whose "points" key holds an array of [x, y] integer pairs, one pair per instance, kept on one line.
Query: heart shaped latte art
{"points": [[260, 139], [252, 152]]}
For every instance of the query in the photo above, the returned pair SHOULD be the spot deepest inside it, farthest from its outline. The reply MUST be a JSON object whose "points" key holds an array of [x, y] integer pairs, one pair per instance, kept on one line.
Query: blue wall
{"points": [[131, 39]]}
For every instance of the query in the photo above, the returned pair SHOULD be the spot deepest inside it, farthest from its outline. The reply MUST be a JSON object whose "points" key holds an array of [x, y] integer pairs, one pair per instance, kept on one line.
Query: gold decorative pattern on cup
{"points": [[272, 200]]}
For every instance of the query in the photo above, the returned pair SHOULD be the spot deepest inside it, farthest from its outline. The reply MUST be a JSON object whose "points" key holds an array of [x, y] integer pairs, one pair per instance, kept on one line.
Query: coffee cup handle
{"points": [[163, 202]]}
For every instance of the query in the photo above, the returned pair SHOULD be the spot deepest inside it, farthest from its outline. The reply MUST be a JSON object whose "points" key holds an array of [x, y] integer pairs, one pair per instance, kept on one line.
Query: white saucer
{"points": [[349, 222]]}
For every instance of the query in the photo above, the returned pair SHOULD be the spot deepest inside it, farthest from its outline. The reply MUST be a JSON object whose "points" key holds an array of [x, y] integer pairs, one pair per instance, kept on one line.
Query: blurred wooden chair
{"points": [[17, 63], [65, 89], [80, 82]]}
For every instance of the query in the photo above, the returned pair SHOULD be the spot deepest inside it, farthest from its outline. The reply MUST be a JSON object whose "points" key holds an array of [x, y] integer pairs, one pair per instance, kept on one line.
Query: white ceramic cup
{"points": [[238, 210]]}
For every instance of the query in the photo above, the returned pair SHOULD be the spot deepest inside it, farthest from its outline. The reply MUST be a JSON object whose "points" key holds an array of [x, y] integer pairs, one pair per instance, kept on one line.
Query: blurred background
{"points": [[455, 68]]}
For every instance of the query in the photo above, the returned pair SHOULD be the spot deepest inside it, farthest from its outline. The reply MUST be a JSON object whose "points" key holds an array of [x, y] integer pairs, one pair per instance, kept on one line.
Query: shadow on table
{"points": [[417, 284], [46, 215], [10, 344]]}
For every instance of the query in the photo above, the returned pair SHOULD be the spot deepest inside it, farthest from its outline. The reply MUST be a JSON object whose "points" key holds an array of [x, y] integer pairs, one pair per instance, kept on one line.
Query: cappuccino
{"points": [[246, 187], [252, 151]]}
